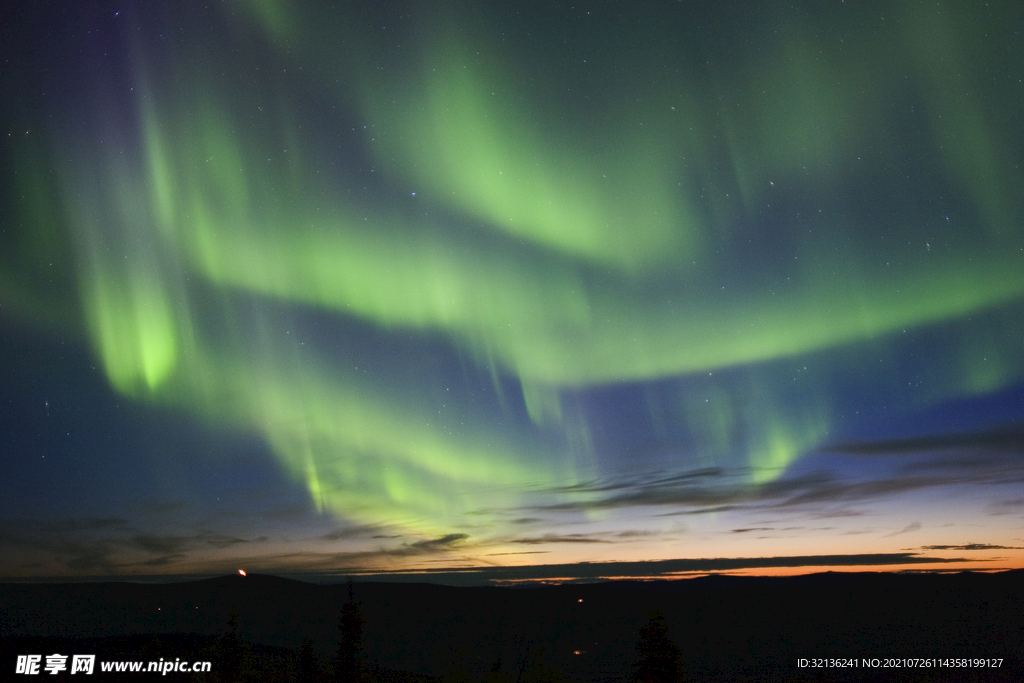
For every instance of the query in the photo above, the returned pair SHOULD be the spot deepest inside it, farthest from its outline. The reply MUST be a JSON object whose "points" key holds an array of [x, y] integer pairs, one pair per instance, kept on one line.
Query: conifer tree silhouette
{"points": [[230, 647], [659, 659], [348, 664], [308, 666]]}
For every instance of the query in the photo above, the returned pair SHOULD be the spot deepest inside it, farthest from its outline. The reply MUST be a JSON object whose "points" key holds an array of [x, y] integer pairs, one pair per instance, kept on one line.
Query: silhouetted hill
{"points": [[729, 628]]}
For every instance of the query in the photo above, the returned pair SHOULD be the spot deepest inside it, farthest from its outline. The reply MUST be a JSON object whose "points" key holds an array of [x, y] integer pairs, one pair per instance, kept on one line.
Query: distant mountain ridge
{"points": [[725, 625]]}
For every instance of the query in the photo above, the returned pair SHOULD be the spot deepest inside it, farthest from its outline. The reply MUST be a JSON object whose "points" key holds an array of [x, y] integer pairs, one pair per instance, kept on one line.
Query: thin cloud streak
{"points": [[556, 538], [909, 529], [972, 546], [656, 568]]}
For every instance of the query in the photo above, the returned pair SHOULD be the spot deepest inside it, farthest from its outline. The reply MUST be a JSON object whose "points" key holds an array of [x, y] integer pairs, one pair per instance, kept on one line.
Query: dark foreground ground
{"points": [[727, 628]]}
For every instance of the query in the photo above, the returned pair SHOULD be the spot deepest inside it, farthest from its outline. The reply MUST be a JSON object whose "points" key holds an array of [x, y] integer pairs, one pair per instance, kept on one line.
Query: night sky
{"points": [[319, 289]]}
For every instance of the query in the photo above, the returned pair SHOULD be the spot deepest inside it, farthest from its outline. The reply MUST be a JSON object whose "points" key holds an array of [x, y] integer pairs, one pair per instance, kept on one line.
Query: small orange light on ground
{"points": [[242, 572]]}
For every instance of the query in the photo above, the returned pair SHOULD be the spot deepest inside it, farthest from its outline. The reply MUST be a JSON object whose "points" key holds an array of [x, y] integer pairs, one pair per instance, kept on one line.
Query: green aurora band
{"points": [[566, 246]]}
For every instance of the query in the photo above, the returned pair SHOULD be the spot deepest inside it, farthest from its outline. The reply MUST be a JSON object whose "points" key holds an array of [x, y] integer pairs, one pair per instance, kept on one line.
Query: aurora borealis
{"points": [[395, 287]]}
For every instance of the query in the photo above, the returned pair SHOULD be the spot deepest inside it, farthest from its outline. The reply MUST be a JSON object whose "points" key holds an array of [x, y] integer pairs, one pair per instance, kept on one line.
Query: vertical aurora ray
{"points": [[129, 278]]}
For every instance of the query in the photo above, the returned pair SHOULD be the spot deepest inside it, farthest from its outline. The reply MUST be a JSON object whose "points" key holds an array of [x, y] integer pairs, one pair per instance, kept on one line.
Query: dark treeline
{"points": [[717, 628]]}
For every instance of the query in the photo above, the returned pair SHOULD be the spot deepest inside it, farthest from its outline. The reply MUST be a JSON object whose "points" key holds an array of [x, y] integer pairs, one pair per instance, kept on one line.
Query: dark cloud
{"points": [[99, 544], [1006, 507], [607, 537], [436, 544], [691, 475], [641, 495], [24, 542], [972, 546], [651, 483], [159, 544], [354, 562], [702, 511], [162, 561], [592, 486], [176, 544], [839, 514], [756, 528], [559, 538], [838, 490], [91, 560], [521, 552], [362, 531], [224, 541], [1007, 438]]}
